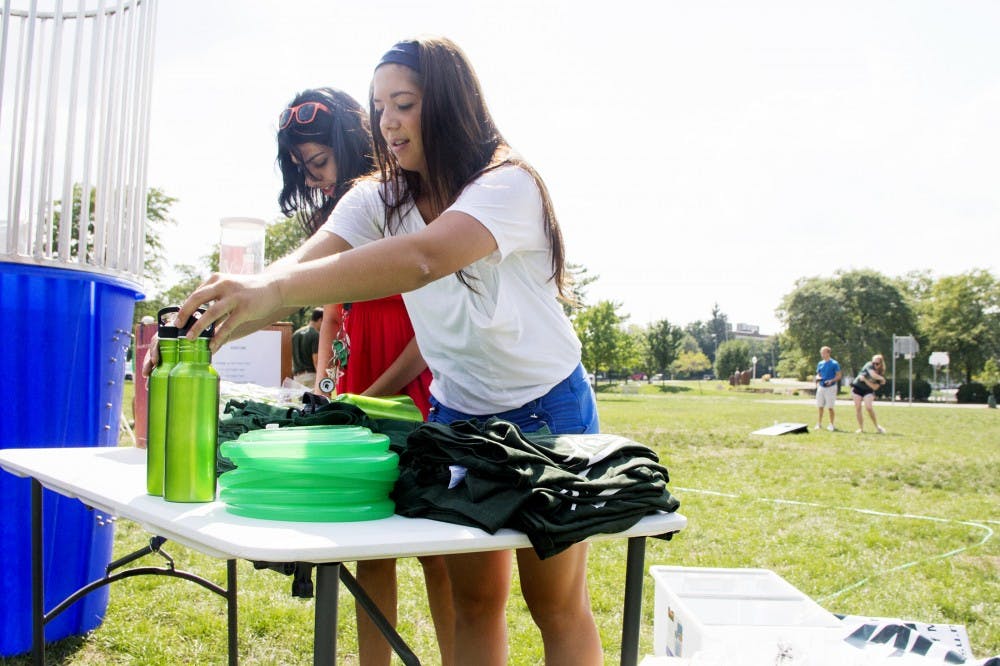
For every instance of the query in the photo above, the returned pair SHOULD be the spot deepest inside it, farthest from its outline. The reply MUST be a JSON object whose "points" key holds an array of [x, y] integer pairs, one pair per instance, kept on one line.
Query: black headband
{"points": [[402, 53]]}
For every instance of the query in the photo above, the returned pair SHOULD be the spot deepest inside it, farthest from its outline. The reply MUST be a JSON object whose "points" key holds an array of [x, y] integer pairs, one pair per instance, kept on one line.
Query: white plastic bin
{"points": [[697, 608]]}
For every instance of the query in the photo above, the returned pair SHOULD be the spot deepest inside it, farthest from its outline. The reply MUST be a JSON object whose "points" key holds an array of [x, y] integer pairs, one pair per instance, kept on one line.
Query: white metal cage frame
{"points": [[74, 122]]}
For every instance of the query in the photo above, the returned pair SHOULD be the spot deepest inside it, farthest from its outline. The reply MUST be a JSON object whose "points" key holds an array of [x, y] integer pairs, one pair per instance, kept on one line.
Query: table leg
{"points": [[232, 613], [633, 600], [37, 577], [325, 621]]}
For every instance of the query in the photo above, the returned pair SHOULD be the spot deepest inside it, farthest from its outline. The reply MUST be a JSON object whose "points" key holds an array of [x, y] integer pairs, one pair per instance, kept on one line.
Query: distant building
{"points": [[746, 332]]}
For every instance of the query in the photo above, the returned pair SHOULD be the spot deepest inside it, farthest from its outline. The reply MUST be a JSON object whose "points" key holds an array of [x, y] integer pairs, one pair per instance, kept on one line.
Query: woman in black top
{"points": [[863, 390]]}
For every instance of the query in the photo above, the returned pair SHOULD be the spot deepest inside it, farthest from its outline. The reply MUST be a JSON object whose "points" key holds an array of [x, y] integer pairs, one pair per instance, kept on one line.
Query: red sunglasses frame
{"points": [[286, 116]]}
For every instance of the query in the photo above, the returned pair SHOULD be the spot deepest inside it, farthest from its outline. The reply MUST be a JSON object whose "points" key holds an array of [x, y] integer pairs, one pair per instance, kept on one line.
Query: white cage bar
{"points": [[74, 125]]}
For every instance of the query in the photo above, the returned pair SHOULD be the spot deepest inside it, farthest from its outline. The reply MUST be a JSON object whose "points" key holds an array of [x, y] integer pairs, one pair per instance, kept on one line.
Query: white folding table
{"points": [[113, 480]]}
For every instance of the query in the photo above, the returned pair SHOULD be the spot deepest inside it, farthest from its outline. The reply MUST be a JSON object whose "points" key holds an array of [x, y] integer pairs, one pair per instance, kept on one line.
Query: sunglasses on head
{"points": [[303, 114]]}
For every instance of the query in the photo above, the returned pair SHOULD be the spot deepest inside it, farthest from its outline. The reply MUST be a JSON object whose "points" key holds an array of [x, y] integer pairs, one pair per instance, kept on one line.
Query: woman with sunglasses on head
{"points": [[863, 388], [324, 146], [465, 230]]}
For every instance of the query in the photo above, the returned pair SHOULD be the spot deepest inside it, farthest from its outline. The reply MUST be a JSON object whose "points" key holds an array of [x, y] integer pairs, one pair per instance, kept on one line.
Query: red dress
{"points": [[378, 332]]}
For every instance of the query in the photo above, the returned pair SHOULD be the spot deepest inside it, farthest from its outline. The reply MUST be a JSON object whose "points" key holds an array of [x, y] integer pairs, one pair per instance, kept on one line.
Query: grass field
{"points": [[896, 525]]}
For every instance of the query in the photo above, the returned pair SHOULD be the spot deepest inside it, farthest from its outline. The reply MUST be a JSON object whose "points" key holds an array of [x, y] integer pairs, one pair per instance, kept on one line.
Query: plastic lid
{"points": [[315, 514], [317, 433], [345, 479], [364, 494], [183, 329], [306, 443], [166, 326], [382, 466]]}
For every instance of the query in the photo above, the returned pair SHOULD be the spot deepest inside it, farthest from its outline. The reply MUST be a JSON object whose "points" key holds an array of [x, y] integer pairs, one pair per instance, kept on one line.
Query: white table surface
{"points": [[113, 480]]}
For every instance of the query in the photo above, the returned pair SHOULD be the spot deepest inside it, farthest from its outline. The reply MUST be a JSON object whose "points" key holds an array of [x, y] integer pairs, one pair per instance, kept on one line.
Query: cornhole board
{"points": [[783, 429]]}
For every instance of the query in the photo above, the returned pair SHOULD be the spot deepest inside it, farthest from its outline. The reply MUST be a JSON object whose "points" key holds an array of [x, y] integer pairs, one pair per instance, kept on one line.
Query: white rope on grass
{"points": [[988, 532]]}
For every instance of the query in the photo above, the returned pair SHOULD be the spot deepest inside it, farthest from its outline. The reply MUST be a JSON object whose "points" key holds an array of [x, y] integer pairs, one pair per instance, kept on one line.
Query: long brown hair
{"points": [[461, 142]]}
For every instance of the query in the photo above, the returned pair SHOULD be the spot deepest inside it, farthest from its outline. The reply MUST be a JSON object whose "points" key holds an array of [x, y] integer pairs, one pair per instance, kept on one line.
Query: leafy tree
{"points": [[633, 352], [733, 355], [579, 281], [175, 295], [664, 342], [282, 237], [961, 315], [792, 362], [710, 334], [691, 364], [856, 313], [718, 326], [601, 335], [700, 333], [158, 205], [689, 343]]}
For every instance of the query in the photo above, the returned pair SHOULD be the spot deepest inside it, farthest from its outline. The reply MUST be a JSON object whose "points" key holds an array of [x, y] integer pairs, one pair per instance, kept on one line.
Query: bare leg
{"points": [[857, 411], [378, 578], [555, 590], [832, 418], [480, 585], [442, 611], [870, 406]]}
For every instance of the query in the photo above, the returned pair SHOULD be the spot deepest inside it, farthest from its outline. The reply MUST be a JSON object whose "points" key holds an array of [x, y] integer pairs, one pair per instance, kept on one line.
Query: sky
{"points": [[696, 152]]}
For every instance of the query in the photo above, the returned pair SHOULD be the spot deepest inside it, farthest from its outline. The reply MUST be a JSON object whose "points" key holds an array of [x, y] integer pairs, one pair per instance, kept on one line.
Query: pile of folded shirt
{"points": [[558, 489]]}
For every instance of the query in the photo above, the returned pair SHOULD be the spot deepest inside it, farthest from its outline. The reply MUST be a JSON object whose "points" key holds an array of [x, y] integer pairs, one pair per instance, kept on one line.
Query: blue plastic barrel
{"points": [[62, 367]]}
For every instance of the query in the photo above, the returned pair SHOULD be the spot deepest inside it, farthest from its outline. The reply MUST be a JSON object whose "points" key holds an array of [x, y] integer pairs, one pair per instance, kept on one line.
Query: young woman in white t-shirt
{"points": [[466, 232]]}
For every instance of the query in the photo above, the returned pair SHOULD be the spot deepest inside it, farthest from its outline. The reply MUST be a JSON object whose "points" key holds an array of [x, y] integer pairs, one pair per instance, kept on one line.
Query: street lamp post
{"points": [[754, 361]]}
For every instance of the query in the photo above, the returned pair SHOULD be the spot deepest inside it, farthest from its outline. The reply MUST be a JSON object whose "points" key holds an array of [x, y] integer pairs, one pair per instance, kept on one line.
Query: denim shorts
{"points": [[569, 408]]}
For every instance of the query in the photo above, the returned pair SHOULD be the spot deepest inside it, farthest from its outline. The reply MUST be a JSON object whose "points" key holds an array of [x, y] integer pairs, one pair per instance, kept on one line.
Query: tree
{"points": [[718, 326], [961, 315], [710, 334], [733, 355], [158, 205], [664, 342], [579, 281], [175, 295], [601, 335], [856, 313], [691, 364], [282, 237], [700, 333]]}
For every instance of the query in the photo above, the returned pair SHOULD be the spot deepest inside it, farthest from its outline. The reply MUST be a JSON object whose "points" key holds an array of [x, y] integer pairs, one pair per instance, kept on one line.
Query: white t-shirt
{"points": [[511, 342]]}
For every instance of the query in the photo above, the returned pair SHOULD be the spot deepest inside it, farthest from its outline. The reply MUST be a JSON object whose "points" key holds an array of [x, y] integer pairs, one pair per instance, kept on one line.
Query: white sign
{"points": [[254, 359], [905, 345], [939, 359]]}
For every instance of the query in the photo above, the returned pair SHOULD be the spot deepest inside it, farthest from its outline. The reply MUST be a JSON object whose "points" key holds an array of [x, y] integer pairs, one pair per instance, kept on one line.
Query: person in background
{"points": [[305, 348], [863, 390], [465, 230], [324, 146], [827, 385]]}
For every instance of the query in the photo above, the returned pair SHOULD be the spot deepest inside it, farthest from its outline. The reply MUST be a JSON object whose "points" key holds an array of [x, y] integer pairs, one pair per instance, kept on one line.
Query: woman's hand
{"points": [[152, 358], [236, 304]]}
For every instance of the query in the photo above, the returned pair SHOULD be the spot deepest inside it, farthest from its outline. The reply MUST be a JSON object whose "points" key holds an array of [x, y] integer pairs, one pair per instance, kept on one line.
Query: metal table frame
{"points": [[113, 481]]}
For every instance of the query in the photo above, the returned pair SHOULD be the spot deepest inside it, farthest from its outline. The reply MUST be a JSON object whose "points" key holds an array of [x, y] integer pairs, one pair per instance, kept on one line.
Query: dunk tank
{"points": [[74, 118]]}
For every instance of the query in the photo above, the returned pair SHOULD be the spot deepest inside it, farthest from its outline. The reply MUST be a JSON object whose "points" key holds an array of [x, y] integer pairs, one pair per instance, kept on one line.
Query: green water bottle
{"points": [[156, 419], [192, 422]]}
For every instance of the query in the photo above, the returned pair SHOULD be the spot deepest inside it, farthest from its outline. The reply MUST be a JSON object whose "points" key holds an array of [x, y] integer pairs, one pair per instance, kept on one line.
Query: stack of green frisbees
{"points": [[310, 473]]}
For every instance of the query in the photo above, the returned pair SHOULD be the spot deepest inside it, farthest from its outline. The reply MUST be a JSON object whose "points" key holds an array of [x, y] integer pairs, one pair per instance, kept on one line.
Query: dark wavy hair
{"points": [[346, 130], [460, 142]]}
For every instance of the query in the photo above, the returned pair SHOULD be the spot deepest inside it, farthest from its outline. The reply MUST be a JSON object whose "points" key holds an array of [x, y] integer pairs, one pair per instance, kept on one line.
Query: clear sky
{"points": [[696, 152]]}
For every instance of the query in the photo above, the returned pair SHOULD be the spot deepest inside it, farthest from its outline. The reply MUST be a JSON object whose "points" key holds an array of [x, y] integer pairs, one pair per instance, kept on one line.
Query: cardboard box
{"points": [[698, 608]]}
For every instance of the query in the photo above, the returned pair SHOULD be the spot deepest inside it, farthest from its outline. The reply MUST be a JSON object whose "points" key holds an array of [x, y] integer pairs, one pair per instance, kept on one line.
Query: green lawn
{"points": [[896, 525]]}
